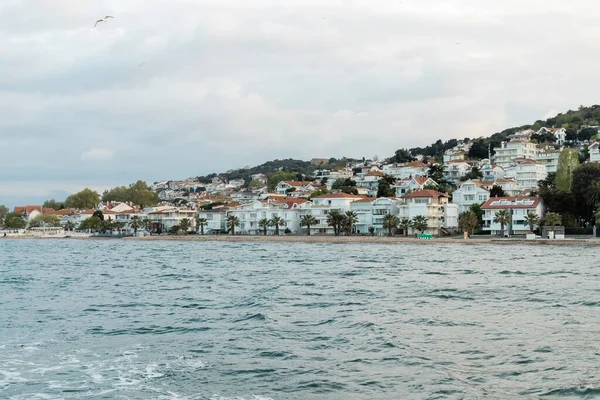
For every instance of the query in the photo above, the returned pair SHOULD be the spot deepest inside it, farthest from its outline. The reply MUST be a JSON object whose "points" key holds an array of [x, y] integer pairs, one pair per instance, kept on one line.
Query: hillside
{"points": [[572, 121]]}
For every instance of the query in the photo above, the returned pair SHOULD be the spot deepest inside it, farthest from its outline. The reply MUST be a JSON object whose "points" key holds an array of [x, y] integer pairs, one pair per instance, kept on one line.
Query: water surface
{"points": [[190, 320]]}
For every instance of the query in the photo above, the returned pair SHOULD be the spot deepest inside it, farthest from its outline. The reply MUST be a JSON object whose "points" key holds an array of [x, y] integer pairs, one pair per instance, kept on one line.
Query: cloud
{"points": [[97, 154], [228, 83]]}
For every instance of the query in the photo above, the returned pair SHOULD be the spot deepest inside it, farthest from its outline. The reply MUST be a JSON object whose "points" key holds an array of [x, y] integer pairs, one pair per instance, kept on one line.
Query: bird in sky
{"points": [[105, 19]]}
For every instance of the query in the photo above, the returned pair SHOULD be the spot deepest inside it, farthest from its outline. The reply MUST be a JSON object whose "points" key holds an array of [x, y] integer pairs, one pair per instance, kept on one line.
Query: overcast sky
{"points": [[229, 83]]}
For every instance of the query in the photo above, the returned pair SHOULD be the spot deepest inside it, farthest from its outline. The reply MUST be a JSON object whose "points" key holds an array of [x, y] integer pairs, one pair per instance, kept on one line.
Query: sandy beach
{"points": [[335, 239]]}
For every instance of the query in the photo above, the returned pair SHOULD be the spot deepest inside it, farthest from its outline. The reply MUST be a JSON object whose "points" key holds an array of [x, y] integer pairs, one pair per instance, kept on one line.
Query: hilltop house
{"points": [[517, 208], [513, 149], [407, 170], [408, 185], [284, 187]]}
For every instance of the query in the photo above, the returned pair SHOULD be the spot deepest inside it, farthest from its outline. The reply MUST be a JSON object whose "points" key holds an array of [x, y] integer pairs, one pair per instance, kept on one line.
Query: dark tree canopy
{"points": [[497, 191], [86, 199], [138, 193]]}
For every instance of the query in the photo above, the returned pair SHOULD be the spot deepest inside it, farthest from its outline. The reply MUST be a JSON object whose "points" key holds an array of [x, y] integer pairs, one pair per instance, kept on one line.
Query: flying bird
{"points": [[141, 64], [105, 19]]}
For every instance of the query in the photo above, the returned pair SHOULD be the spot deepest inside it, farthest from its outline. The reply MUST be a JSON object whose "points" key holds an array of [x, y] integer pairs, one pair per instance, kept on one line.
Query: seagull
{"points": [[141, 64], [105, 19]]}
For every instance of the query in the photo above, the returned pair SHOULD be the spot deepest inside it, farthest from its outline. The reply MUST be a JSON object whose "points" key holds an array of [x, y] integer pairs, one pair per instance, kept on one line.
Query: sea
{"points": [[119, 319]]}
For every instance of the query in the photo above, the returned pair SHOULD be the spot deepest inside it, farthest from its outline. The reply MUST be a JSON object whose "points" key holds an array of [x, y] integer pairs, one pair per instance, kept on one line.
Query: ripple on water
{"points": [[258, 321]]}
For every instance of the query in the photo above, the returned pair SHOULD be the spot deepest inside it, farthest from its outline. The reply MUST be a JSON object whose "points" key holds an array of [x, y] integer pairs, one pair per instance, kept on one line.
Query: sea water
{"points": [[120, 319]]}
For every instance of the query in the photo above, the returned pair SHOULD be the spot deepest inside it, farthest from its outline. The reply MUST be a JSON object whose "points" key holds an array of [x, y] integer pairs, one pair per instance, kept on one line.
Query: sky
{"points": [[170, 89]]}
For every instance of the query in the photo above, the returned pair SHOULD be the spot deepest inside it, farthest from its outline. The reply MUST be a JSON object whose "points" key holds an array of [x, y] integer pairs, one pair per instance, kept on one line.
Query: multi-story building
{"points": [[513, 149], [407, 170], [455, 170], [216, 219], [529, 173], [432, 204], [548, 157], [408, 185], [469, 192], [517, 208], [371, 212], [251, 214]]}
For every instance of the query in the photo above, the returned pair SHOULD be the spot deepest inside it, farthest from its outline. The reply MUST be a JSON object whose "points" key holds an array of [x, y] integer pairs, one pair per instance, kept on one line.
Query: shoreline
{"points": [[333, 240]]}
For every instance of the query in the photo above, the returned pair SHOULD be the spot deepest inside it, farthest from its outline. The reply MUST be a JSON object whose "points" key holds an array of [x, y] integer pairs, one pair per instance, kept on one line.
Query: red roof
{"points": [[425, 193], [30, 209], [505, 203], [296, 183], [374, 173]]}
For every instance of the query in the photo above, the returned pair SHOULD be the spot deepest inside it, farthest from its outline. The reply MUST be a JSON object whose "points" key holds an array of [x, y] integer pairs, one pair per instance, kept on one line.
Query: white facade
{"points": [[517, 207], [453, 171], [434, 206], [469, 193], [594, 150], [166, 219], [370, 181], [529, 173], [370, 213], [516, 148], [549, 158], [216, 219], [408, 170], [412, 184], [250, 215]]}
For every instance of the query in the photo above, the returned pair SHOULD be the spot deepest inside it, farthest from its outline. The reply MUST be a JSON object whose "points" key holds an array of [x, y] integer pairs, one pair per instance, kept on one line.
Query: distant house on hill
{"points": [[319, 161]]}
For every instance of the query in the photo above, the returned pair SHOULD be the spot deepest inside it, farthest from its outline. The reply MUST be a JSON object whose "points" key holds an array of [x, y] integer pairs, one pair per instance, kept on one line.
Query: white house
{"points": [[250, 215], [513, 149], [371, 211], [407, 170], [559, 133], [216, 219], [492, 172], [517, 207], [164, 220], [468, 193], [454, 170], [529, 173], [454, 155], [549, 158], [370, 181], [432, 204], [322, 205], [408, 185], [284, 186], [594, 150]]}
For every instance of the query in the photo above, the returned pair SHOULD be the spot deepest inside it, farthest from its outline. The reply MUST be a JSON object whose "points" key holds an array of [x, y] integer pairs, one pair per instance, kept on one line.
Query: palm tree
{"points": [[308, 220], [335, 220], [201, 223], [264, 224], [531, 219], [553, 219], [135, 224], [468, 221], [419, 223], [232, 222], [502, 217], [185, 224], [390, 222], [405, 224], [351, 218], [277, 221], [372, 230], [147, 224], [69, 225]]}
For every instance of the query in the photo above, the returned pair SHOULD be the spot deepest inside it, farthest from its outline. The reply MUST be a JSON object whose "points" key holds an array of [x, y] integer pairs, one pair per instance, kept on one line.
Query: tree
{"points": [[307, 221], [502, 217], [200, 224], [135, 224], [339, 184], [277, 221], [276, 177], [586, 134], [350, 219], [475, 173], [44, 220], [3, 213], [497, 191], [592, 194], [14, 220], [420, 223], [84, 200], [476, 209], [264, 224], [402, 156], [436, 172], [583, 178], [478, 150], [553, 220], [147, 224], [174, 229], [390, 222], [335, 220], [185, 224], [568, 161], [69, 226], [138, 193], [372, 230], [93, 223], [98, 214], [531, 219], [384, 188], [468, 221], [232, 223], [318, 193], [405, 224], [53, 204]]}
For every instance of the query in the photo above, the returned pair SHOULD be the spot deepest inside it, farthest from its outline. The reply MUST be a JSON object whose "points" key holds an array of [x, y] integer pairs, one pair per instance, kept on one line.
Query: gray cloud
{"points": [[228, 83]]}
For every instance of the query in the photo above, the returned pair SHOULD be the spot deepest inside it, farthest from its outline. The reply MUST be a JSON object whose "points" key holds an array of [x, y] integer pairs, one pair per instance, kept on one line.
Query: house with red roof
{"points": [[517, 207], [433, 205], [408, 185]]}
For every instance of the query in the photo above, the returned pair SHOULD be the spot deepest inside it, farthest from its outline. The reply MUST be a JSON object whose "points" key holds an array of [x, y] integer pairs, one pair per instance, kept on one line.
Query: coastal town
{"points": [[420, 197]]}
